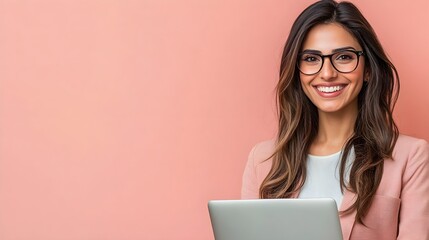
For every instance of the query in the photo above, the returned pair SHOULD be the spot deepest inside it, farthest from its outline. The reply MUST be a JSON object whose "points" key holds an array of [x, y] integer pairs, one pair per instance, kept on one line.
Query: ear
{"points": [[367, 75]]}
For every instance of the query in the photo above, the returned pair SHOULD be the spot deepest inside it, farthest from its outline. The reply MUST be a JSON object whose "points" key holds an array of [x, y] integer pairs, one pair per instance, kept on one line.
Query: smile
{"points": [[330, 89]]}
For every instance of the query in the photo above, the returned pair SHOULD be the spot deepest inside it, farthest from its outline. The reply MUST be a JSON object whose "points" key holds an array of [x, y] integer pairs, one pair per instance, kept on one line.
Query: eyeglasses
{"points": [[345, 61]]}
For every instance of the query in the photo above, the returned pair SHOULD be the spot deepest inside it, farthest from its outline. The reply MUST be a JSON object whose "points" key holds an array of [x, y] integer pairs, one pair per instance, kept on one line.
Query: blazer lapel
{"points": [[347, 220]]}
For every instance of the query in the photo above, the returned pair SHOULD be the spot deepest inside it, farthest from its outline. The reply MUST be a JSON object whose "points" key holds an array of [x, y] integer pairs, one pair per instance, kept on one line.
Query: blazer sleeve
{"points": [[250, 188], [414, 210]]}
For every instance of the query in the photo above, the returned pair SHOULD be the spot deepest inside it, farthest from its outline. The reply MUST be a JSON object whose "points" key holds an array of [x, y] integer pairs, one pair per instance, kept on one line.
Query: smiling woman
{"points": [[337, 137], [332, 87]]}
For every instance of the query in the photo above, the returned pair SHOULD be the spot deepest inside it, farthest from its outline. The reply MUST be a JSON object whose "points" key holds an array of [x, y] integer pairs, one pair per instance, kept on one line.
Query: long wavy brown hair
{"points": [[375, 132]]}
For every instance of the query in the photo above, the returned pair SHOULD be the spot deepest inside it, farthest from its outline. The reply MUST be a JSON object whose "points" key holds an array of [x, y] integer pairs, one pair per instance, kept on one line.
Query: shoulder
{"points": [[257, 167], [410, 160], [410, 147], [405, 140], [262, 151], [260, 158]]}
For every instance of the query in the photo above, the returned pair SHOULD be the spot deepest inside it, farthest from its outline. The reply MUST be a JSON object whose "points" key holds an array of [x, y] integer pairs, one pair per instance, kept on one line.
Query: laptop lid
{"points": [[275, 219]]}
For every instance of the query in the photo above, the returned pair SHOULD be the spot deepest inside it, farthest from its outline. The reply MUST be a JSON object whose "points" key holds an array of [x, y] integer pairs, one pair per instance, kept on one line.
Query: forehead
{"points": [[326, 37]]}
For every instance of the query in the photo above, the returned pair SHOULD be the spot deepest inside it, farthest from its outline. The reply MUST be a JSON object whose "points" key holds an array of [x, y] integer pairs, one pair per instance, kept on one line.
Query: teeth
{"points": [[329, 89]]}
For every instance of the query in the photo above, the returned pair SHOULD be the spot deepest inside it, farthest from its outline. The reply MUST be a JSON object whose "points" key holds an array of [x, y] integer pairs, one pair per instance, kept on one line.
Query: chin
{"points": [[329, 109]]}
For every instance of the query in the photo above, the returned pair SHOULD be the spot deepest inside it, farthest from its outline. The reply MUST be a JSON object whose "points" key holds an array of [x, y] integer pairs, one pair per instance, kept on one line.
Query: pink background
{"points": [[121, 119]]}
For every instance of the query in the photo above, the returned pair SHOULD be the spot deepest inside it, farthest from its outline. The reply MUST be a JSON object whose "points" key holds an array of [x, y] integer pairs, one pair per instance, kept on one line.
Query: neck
{"points": [[334, 131]]}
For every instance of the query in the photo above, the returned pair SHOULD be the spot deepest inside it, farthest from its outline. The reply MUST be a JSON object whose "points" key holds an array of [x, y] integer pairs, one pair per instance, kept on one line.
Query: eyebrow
{"points": [[333, 51]]}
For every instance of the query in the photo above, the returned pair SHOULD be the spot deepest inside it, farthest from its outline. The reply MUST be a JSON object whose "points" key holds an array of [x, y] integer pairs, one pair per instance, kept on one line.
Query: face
{"points": [[332, 91]]}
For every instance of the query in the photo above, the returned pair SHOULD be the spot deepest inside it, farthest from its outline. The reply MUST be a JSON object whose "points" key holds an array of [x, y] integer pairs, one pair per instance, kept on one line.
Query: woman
{"points": [[337, 137]]}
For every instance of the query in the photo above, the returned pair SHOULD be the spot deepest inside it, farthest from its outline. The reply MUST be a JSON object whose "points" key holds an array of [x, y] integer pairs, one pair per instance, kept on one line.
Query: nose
{"points": [[328, 71]]}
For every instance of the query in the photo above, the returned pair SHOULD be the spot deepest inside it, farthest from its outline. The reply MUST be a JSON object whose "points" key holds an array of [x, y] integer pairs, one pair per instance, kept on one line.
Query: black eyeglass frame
{"points": [[358, 54]]}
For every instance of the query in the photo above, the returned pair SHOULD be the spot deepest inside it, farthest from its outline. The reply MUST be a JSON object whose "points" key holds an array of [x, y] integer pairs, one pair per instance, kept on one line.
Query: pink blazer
{"points": [[400, 209]]}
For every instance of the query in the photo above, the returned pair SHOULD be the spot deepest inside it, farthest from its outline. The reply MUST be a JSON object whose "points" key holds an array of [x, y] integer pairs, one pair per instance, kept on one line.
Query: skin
{"points": [[337, 113]]}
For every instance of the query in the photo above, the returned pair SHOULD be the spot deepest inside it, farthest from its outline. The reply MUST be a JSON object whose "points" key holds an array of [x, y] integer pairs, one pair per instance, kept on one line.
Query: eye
{"points": [[310, 58], [344, 56]]}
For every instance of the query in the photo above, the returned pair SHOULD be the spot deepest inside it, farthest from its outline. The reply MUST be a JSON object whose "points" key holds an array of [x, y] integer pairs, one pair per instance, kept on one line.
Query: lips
{"points": [[330, 91]]}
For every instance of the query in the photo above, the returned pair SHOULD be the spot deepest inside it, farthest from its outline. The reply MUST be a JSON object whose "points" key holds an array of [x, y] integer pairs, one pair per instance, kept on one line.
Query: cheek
{"points": [[361, 70], [357, 76], [305, 83]]}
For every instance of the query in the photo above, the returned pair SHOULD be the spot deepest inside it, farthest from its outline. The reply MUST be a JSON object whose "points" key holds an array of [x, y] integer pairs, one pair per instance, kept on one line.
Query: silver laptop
{"points": [[275, 219]]}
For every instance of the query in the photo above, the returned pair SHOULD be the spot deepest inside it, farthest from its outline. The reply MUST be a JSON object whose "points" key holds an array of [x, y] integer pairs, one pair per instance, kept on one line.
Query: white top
{"points": [[323, 177]]}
